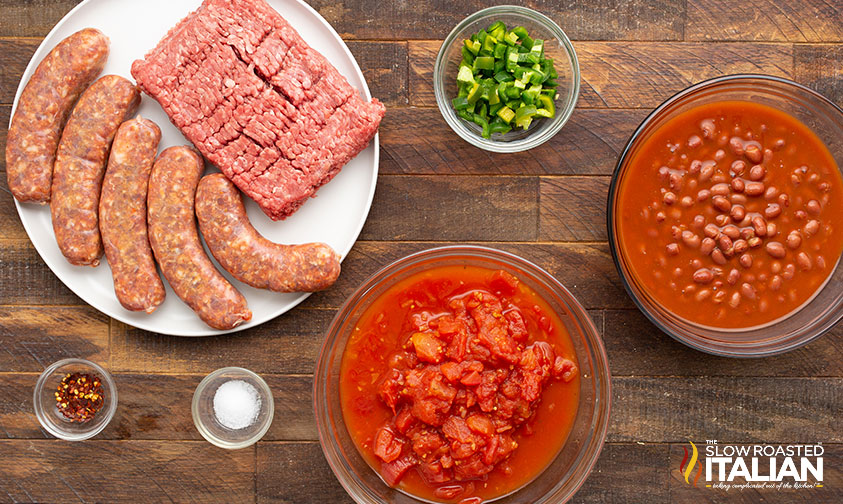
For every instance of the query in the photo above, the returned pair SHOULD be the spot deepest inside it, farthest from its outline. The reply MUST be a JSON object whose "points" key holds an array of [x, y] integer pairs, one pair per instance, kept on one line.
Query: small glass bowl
{"points": [[206, 421], [799, 327], [45, 401], [556, 45], [567, 471]]}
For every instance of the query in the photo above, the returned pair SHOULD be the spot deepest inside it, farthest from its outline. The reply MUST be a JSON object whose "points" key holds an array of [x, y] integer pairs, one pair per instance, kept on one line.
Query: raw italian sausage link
{"points": [[250, 257], [43, 108], [122, 216], [80, 166], [175, 241]]}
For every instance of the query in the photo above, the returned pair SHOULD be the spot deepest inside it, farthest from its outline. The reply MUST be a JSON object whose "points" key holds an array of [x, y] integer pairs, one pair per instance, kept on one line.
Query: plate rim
{"points": [[39, 55]]}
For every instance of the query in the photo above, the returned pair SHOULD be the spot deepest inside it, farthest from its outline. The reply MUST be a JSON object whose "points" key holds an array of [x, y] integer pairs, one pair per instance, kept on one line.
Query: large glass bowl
{"points": [[561, 479], [820, 314], [556, 45]]}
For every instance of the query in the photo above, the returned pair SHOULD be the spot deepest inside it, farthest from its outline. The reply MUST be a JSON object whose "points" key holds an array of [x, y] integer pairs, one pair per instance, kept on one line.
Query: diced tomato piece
{"points": [[504, 283], [456, 428], [390, 388], [448, 326], [490, 455], [434, 473], [517, 326], [472, 468], [404, 420], [428, 347], [387, 448], [447, 461], [481, 424], [564, 369], [471, 379], [451, 371], [392, 472], [448, 492], [426, 443]]}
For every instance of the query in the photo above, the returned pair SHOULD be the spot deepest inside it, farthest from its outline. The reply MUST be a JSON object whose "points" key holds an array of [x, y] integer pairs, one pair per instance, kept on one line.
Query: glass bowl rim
{"points": [[222, 443], [530, 141], [721, 349], [601, 372], [41, 408]]}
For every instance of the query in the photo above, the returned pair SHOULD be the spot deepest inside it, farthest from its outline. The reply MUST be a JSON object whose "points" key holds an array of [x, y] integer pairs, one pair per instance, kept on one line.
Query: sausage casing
{"points": [[175, 241], [43, 108], [250, 257], [122, 216], [80, 165]]}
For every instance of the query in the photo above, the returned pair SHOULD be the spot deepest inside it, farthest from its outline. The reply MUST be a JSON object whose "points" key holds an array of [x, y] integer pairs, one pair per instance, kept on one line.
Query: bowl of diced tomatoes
{"points": [[462, 375]]}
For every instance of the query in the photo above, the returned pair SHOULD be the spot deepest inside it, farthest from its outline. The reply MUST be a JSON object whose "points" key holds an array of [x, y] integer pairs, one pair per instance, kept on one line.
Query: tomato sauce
{"points": [[729, 214], [459, 384]]}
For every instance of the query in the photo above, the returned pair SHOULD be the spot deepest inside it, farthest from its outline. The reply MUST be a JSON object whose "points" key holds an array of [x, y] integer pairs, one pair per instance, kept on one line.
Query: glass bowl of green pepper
{"points": [[506, 79]]}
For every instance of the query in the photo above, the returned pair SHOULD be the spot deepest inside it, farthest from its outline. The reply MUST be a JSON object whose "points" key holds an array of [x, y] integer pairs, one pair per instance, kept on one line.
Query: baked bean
{"points": [[763, 305], [804, 262], [754, 242], [772, 211], [775, 249], [789, 271], [800, 214], [695, 167], [707, 170], [779, 143], [759, 225], [677, 272], [733, 276], [813, 178], [660, 217], [768, 156], [690, 239], [724, 242], [732, 231], [745, 260], [722, 219], [776, 267], [813, 207], [771, 192], [753, 152], [784, 200], [676, 232], [795, 180], [711, 231], [721, 203], [738, 166], [747, 290], [812, 227], [793, 240], [720, 189], [703, 295], [737, 184], [707, 127], [757, 172], [735, 300], [762, 277], [696, 263], [772, 230], [776, 283], [672, 248], [747, 232], [686, 201], [820, 262], [754, 188], [719, 155], [707, 245], [740, 246], [699, 221], [676, 181], [737, 199], [692, 185], [669, 198], [824, 187], [736, 146], [738, 213], [703, 195], [703, 276], [718, 257], [720, 297], [694, 141], [664, 173]]}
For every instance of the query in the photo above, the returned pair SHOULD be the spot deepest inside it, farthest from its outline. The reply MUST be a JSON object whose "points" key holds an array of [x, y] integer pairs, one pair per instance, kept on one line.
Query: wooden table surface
{"points": [[547, 205]]}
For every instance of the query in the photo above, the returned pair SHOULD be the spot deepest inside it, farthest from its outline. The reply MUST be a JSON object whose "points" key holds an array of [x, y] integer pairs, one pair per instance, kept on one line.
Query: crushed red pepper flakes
{"points": [[79, 396]]}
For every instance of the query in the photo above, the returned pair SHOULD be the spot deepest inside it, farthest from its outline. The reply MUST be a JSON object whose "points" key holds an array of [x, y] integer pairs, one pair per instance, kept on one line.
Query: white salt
{"points": [[236, 404]]}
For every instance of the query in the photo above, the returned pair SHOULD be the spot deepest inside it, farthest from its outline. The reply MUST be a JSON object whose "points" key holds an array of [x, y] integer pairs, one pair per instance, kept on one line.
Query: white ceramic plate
{"points": [[335, 216]]}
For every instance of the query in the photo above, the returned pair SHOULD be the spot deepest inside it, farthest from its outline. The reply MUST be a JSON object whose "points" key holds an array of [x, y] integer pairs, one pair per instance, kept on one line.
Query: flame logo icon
{"points": [[686, 470]]}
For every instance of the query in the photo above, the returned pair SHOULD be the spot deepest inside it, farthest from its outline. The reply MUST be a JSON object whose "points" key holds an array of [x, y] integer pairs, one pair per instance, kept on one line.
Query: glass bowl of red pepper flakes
{"points": [[75, 399], [556, 46], [427, 283]]}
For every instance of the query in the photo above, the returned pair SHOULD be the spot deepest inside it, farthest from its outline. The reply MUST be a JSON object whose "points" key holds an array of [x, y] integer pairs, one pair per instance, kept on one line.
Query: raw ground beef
{"points": [[258, 102]]}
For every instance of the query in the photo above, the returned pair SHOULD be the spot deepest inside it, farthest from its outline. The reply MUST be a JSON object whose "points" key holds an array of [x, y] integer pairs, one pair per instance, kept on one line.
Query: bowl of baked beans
{"points": [[725, 215]]}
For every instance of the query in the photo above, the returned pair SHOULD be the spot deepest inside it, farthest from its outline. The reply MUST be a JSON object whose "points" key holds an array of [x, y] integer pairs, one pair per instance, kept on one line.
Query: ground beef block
{"points": [[258, 102]]}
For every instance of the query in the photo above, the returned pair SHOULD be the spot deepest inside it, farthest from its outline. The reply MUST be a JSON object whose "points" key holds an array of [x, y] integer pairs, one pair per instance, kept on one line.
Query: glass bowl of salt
{"points": [[232, 408]]}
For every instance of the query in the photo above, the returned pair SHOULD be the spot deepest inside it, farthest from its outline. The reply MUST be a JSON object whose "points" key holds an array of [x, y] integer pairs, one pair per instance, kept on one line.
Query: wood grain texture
{"points": [[637, 348], [149, 471], [453, 208], [434, 19], [751, 409], [32, 18], [765, 20], [417, 141], [293, 473], [627, 473], [25, 279], [634, 74], [384, 65], [821, 68], [573, 208], [16, 54]]}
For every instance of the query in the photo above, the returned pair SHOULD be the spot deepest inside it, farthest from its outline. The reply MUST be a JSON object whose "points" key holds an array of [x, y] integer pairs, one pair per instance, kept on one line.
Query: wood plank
{"points": [[418, 141], [34, 338], [820, 67], [637, 348], [634, 74], [453, 208], [626, 472], [740, 408], [32, 18], [573, 208], [121, 471], [26, 279], [831, 491], [765, 20], [384, 65], [287, 344], [434, 19], [294, 473], [586, 270], [16, 54]]}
